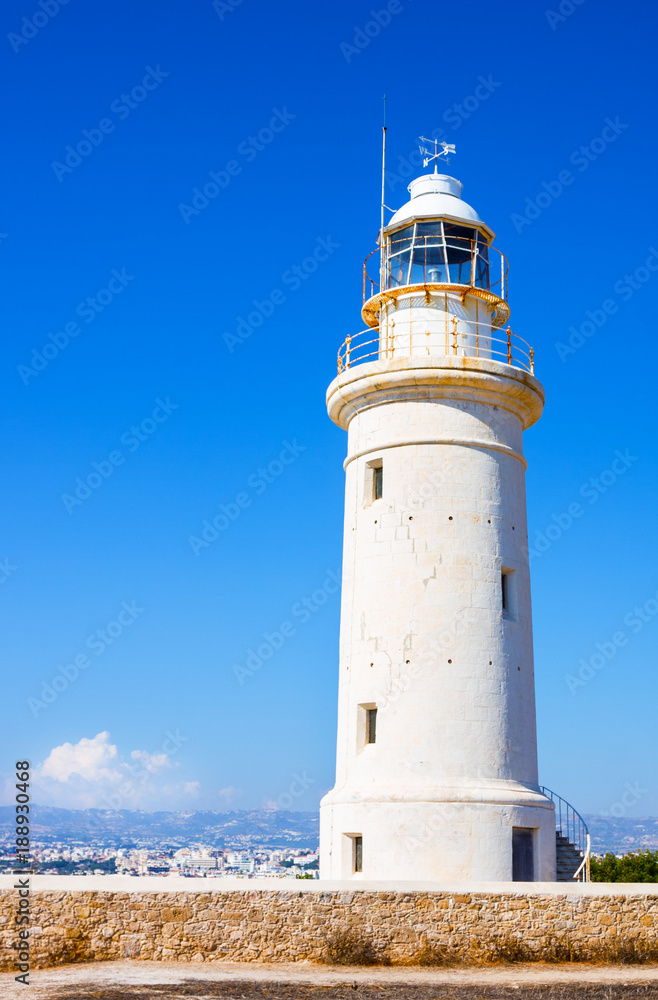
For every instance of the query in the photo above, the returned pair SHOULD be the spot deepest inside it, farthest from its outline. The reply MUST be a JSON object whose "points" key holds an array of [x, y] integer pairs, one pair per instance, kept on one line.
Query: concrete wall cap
{"points": [[151, 884]]}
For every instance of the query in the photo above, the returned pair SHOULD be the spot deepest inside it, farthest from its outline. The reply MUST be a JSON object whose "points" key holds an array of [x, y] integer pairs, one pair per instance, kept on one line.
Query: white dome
{"points": [[436, 196]]}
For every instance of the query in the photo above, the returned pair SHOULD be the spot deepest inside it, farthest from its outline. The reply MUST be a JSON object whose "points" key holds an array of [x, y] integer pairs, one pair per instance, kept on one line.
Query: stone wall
{"points": [[307, 921]]}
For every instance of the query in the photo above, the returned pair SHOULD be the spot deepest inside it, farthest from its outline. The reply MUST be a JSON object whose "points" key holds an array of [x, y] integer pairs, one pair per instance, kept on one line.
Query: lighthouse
{"points": [[436, 774]]}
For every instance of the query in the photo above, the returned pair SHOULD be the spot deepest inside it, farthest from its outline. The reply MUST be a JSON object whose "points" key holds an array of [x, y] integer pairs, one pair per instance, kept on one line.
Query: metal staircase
{"points": [[572, 841]]}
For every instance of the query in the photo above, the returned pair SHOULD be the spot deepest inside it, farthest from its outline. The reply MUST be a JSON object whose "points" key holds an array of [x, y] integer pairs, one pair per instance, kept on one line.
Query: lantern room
{"points": [[435, 284]]}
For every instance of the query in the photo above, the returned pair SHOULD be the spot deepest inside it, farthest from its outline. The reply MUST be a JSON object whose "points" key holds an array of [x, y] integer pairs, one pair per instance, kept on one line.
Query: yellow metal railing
{"points": [[418, 338]]}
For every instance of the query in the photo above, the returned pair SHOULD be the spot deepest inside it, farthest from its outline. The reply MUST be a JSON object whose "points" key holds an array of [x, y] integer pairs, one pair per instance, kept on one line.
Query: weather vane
{"points": [[446, 149]]}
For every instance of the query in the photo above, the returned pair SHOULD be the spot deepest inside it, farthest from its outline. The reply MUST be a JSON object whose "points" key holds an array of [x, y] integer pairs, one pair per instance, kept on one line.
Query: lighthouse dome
{"points": [[436, 196]]}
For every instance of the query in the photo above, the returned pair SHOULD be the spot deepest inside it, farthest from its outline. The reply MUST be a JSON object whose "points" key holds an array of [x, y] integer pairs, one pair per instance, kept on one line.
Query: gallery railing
{"points": [[451, 338]]}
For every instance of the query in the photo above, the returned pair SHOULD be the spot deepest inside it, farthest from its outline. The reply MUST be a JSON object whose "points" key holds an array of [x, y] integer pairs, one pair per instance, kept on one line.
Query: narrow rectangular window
{"points": [[374, 484], [378, 490], [508, 593], [366, 725], [371, 725], [358, 854], [504, 583], [523, 855]]}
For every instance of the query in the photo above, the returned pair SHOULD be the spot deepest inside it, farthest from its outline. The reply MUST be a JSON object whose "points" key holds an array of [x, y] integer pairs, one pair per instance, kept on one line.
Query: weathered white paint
{"points": [[423, 633], [436, 196]]}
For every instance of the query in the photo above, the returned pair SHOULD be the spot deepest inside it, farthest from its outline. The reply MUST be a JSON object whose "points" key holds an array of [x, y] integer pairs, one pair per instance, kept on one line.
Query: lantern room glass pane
{"points": [[400, 256], [455, 232], [430, 231], [402, 239], [482, 279], [428, 255], [460, 244], [438, 252]]}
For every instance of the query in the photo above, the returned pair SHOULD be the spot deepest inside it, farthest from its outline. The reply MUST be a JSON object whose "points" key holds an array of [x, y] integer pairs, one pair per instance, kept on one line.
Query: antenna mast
{"points": [[381, 227]]}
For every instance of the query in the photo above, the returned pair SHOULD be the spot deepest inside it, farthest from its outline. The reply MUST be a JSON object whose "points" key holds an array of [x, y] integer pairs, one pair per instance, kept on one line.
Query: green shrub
{"points": [[637, 866]]}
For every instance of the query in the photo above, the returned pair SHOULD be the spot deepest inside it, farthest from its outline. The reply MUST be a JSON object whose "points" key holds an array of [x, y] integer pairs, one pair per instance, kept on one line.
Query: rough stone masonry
{"points": [[298, 922]]}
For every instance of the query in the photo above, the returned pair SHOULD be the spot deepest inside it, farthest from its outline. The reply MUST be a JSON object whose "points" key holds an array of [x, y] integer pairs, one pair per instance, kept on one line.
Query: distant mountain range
{"points": [[249, 828], [255, 827], [621, 835]]}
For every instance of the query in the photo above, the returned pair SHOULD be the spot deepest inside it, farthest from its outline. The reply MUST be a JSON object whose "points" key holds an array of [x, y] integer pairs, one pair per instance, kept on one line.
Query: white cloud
{"points": [[153, 762], [93, 774], [88, 759]]}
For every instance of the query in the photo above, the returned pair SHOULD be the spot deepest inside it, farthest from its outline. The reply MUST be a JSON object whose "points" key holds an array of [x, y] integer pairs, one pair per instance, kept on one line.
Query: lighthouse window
{"points": [[371, 725], [505, 590], [508, 593], [379, 482], [358, 854], [374, 486], [366, 725]]}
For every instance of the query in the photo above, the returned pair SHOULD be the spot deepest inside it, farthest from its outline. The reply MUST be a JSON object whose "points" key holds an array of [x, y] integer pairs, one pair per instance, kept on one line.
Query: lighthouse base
{"points": [[434, 841]]}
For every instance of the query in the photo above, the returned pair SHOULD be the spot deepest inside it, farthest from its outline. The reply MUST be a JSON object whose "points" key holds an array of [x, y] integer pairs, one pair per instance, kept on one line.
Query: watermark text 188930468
{"points": [[22, 885]]}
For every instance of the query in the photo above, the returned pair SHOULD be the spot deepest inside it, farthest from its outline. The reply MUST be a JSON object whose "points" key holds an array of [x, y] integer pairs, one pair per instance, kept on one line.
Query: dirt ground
{"points": [[170, 981]]}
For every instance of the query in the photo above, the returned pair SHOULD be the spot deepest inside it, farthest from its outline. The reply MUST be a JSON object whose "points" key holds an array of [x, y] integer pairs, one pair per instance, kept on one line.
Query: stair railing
{"points": [[570, 824], [582, 872]]}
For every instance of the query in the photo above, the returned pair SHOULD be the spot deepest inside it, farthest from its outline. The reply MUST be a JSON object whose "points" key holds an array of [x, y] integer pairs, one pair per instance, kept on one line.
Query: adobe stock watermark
{"points": [[87, 310], [630, 797], [271, 642], [139, 772], [293, 278], [624, 289], [591, 491], [133, 439], [98, 642], [224, 7], [299, 785], [122, 107], [564, 11], [7, 569], [248, 150], [31, 26], [440, 820], [363, 36], [581, 158], [257, 483], [435, 646], [426, 490], [605, 651], [456, 115], [408, 166], [432, 483]]}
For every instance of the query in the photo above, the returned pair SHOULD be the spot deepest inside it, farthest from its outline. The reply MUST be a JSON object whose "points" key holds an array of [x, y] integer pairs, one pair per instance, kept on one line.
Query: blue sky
{"points": [[138, 289]]}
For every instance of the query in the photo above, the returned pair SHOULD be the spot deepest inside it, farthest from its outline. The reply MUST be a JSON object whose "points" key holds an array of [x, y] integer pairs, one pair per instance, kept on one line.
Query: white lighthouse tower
{"points": [[436, 773]]}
